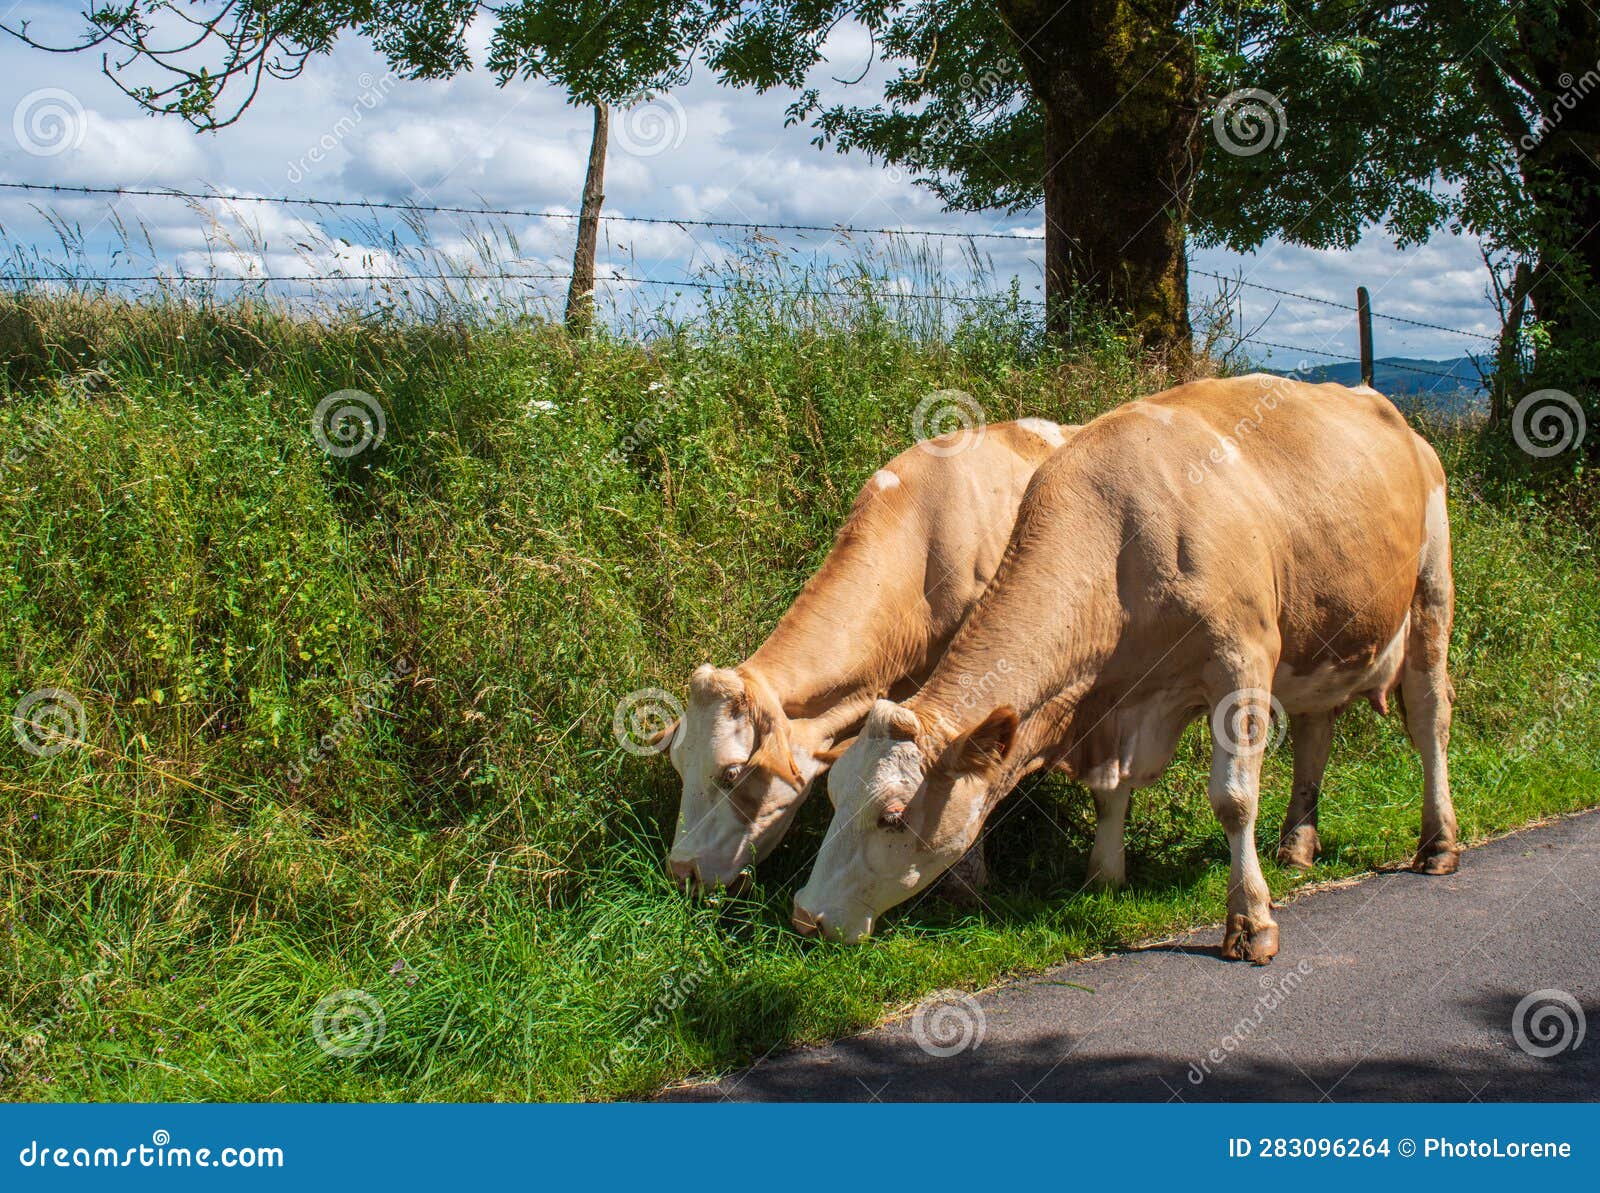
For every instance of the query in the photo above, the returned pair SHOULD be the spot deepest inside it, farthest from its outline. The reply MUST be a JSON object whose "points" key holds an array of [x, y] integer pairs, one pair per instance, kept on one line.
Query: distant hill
{"points": [[1459, 392]]}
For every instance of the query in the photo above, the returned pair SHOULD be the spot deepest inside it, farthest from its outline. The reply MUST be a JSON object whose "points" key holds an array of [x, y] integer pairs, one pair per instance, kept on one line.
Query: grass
{"points": [[432, 636]]}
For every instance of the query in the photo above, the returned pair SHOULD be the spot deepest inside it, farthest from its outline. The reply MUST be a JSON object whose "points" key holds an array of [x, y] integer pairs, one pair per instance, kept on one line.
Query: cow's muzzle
{"points": [[806, 923], [686, 874]]}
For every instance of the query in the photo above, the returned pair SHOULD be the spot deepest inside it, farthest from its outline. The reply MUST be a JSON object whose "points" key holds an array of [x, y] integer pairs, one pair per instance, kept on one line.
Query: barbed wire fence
{"points": [[36, 277]]}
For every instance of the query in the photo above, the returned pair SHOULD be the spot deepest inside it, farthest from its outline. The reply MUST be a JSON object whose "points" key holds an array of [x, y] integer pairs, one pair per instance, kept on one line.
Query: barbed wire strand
{"points": [[680, 221], [1388, 364], [1343, 306], [291, 279], [529, 213]]}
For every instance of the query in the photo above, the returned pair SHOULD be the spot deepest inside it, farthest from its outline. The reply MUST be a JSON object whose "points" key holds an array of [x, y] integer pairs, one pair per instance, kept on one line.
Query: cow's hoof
{"points": [[1104, 883], [1256, 944], [1299, 848], [1104, 880], [1437, 860]]}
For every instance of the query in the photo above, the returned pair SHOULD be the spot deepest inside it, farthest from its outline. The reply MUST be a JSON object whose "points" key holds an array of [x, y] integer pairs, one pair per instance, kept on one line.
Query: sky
{"points": [[348, 129]]}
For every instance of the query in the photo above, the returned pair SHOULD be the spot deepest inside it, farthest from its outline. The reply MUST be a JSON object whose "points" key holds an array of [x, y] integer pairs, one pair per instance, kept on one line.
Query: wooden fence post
{"points": [[1364, 317]]}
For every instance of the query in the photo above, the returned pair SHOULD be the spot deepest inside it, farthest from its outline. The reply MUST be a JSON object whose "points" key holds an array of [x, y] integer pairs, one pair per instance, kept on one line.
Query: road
{"points": [[1397, 987]]}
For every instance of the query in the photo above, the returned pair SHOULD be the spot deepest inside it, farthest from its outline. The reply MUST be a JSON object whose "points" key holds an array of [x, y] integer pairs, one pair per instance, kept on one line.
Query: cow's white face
{"points": [[737, 801], [899, 820]]}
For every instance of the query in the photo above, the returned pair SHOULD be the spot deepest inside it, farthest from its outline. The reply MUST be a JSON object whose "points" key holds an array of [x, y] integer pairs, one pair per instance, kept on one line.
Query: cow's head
{"points": [[905, 809], [743, 777]]}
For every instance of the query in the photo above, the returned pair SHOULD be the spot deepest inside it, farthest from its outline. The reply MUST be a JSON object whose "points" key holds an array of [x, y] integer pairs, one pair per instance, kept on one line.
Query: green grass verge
{"points": [[456, 613]]}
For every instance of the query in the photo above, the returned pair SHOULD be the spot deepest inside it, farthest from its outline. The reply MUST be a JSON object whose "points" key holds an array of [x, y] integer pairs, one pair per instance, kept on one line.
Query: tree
{"points": [[1090, 105], [1140, 124], [1478, 115], [1327, 118], [206, 60], [1115, 214], [1117, 85]]}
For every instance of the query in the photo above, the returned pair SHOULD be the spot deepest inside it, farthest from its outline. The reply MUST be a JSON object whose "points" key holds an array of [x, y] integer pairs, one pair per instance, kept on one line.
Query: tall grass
{"points": [[349, 721]]}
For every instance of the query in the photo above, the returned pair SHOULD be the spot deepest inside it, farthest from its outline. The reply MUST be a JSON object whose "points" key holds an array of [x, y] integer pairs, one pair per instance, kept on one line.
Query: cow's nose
{"points": [[806, 923], [682, 872]]}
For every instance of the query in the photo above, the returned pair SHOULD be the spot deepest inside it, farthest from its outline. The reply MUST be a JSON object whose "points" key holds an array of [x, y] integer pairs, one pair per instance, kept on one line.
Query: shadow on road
{"points": [[893, 1069]]}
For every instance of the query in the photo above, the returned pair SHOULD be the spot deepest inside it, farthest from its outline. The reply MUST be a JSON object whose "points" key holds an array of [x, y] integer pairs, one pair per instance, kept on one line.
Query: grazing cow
{"points": [[1216, 550], [919, 546]]}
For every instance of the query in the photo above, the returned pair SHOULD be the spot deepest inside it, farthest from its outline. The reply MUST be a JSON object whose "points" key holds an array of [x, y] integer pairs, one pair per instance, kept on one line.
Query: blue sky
{"points": [[344, 130]]}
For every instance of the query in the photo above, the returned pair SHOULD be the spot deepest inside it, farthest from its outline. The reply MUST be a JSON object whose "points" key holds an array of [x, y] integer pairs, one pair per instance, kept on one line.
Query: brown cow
{"points": [[918, 548], [1220, 549]]}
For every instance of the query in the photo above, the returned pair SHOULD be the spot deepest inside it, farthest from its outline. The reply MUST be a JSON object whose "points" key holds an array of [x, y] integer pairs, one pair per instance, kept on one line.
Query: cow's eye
{"points": [[731, 775], [893, 819]]}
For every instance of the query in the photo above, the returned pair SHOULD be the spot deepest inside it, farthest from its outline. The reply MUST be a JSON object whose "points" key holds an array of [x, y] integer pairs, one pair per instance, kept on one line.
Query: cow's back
{"points": [[1258, 502], [919, 546]]}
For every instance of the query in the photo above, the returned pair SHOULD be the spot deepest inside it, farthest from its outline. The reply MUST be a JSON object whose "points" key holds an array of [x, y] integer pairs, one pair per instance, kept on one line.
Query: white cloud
{"points": [[106, 150]]}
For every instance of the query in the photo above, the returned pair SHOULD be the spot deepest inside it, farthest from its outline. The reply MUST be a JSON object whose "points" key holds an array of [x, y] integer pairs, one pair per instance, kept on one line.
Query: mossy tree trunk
{"points": [[1562, 169], [1119, 85]]}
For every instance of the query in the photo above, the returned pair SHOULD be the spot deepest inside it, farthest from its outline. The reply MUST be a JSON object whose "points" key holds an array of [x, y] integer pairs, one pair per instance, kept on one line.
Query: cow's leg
{"points": [[1107, 863], [961, 883], [1425, 687], [1241, 728], [1312, 735]]}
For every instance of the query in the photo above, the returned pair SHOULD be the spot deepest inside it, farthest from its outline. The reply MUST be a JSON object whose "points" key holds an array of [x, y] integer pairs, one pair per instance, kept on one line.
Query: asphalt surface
{"points": [[1398, 987]]}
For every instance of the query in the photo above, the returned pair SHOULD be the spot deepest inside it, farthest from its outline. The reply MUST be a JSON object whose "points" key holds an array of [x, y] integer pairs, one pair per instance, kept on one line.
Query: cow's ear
{"points": [[661, 739], [986, 743], [833, 753]]}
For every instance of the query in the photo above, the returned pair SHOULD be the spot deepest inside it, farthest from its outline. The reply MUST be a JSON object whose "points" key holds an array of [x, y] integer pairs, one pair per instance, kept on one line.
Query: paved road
{"points": [[1398, 987]]}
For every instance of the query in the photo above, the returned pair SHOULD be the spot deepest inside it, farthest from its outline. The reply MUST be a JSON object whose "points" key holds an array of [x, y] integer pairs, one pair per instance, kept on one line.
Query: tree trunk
{"points": [[1562, 171], [580, 294], [1119, 86]]}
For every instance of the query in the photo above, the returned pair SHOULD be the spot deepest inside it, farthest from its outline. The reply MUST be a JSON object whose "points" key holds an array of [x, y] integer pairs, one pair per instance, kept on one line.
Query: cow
{"points": [[920, 544], [1228, 548]]}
